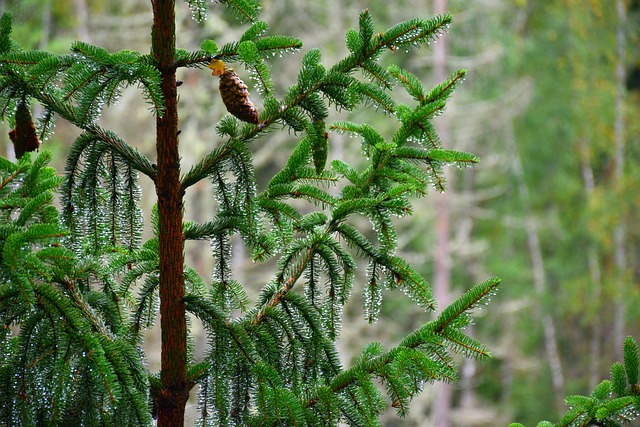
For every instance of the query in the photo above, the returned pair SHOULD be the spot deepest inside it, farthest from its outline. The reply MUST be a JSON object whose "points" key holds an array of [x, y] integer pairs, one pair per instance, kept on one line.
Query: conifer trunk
{"points": [[173, 396]]}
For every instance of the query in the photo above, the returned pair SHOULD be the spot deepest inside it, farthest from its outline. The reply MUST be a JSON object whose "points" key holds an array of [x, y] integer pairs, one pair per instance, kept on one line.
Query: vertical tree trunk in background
{"points": [[46, 25], [467, 377], [442, 280], [442, 271], [538, 273], [595, 346], [173, 396], [83, 20], [618, 137]]}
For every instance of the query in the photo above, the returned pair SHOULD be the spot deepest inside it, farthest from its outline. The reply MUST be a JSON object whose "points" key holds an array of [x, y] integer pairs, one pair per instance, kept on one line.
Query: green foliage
{"points": [[101, 194], [630, 352], [614, 402], [72, 344], [78, 85], [84, 289]]}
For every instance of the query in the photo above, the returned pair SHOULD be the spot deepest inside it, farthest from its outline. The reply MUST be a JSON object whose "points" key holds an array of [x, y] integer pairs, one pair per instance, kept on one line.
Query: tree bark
{"points": [[442, 276], [172, 398], [618, 136]]}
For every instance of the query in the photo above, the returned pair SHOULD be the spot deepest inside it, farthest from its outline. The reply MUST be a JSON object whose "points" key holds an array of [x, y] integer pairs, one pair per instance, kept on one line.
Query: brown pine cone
{"points": [[235, 96], [24, 135]]}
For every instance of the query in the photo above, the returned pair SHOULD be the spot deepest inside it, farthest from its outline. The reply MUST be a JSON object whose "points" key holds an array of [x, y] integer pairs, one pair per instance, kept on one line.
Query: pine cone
{"points": [[24, 135], [235, 96]]}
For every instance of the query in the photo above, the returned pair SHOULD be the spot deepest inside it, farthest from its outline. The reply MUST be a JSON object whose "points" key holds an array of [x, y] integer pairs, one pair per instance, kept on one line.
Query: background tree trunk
{"points": [[595, 344], [46, 24], [442, 278], [618, 137], [539, 277], [83, 20]]}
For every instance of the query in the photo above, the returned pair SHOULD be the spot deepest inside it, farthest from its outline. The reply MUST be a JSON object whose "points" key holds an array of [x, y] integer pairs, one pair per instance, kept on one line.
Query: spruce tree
{"points": [[78, 287], [612, 403]]}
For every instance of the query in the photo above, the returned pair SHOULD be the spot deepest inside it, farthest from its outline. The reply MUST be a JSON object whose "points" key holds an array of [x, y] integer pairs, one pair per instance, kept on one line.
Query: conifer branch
{"points": [[128, 153], [285, 285], [210, 163], [245, 9], [472, 298], [266, 47], [415, 340]]}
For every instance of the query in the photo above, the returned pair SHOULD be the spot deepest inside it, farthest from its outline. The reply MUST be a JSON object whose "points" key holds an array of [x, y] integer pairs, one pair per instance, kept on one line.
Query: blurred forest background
{"points": [[551, 105]]}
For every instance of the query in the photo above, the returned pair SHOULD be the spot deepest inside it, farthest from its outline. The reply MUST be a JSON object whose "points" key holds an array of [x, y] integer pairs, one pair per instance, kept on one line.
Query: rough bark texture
{"points": [[173, 396]]}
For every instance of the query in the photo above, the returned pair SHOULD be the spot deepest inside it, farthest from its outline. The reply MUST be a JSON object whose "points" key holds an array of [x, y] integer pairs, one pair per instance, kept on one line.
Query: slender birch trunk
{"points": [[538, 272], [618, 137], [595, 344]]}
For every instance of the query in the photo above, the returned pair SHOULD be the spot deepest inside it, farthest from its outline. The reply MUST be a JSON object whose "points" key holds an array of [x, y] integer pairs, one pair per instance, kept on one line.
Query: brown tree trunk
{"points": [[173, 396]]}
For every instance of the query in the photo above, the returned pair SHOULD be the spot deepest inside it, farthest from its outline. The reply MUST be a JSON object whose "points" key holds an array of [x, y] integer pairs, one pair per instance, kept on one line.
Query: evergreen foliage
{"points": [[79, 287], [74, 361], [614, 402]]}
